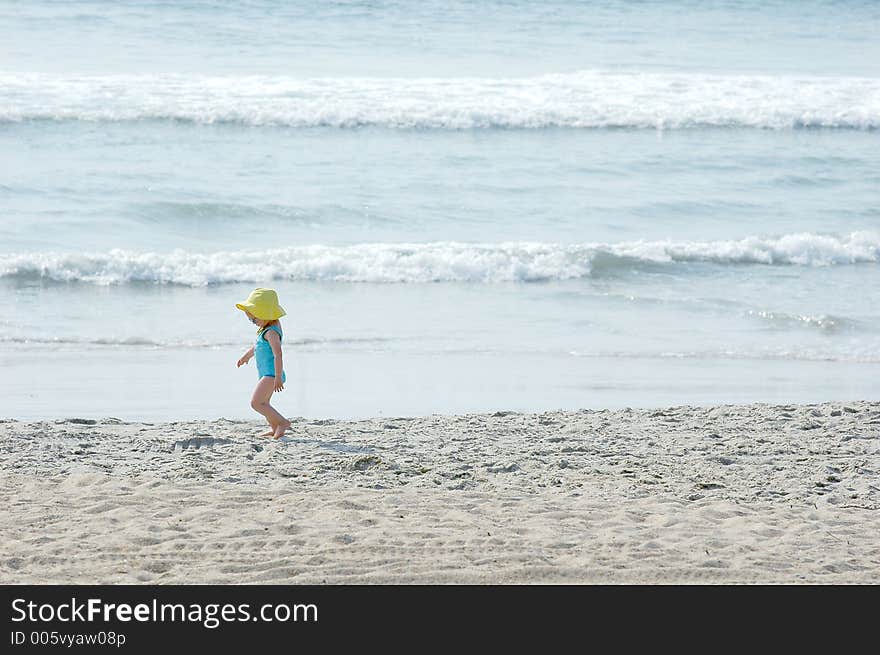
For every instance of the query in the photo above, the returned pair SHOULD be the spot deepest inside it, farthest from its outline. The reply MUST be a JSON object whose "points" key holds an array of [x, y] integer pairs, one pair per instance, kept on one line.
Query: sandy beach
{"points": [[730, 494]]}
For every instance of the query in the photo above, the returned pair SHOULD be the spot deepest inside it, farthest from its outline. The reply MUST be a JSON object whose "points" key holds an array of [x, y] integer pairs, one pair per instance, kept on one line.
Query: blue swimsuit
{"points": [[264, 355]]}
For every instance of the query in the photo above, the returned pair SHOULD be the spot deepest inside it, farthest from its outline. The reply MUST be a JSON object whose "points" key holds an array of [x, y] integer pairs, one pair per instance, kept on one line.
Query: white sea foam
{"points": [[434, 262], [824, 322], [804, 354], [867, 353], [584, 99], [145, 342], [135, 342]]}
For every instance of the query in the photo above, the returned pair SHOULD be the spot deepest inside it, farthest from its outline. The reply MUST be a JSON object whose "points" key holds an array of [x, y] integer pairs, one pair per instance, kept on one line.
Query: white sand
{"points": [[749, 494]]}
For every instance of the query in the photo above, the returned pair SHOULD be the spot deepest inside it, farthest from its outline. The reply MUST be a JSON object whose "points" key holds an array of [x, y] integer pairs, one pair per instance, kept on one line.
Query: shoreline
{"points": [[727, 494]]}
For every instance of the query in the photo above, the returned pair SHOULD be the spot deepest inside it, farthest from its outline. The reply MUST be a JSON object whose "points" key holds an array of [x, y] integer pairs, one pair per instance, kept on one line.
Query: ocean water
{"points": [[466, 206]]}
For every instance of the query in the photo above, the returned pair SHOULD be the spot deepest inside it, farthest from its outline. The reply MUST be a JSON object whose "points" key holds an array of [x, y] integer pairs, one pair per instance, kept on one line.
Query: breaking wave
{"points": [[583, 99], [434, 262]]}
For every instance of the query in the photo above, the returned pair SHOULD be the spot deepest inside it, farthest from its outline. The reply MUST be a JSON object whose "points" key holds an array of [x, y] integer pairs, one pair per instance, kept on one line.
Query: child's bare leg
{"points": [[260, 403]]}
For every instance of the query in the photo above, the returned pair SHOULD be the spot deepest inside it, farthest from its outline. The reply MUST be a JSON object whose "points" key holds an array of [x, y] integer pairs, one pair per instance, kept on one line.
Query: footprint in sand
{"points": [[199, 442]]}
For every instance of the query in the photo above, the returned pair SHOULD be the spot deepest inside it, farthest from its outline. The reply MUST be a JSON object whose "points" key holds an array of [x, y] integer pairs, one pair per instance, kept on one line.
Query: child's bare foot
{"points": [[268, 433], [281, 429]]}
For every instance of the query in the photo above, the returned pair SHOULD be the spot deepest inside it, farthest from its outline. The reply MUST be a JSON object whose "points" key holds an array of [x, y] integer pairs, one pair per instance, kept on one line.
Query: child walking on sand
{"points": [[263, 310]]}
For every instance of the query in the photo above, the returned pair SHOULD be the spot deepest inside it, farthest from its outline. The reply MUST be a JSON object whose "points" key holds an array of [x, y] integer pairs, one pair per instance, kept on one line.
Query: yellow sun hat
{"points": [[263, 303]]}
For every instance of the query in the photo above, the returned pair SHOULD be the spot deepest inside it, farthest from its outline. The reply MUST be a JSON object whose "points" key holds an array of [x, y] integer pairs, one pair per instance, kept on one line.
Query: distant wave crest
{"points": [[434, 262], [583, 99]]}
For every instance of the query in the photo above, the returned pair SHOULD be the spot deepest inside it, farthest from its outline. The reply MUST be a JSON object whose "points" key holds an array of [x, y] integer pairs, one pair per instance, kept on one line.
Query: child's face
{"points": [[256, 321]]}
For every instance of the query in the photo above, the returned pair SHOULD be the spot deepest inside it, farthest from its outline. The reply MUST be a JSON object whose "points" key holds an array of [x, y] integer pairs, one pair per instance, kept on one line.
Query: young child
{"points": [[263, 310]]}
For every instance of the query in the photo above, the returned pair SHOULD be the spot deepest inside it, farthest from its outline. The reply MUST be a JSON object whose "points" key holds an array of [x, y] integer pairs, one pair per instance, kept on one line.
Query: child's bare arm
{"points": [[275, 343], [244, 359]]}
